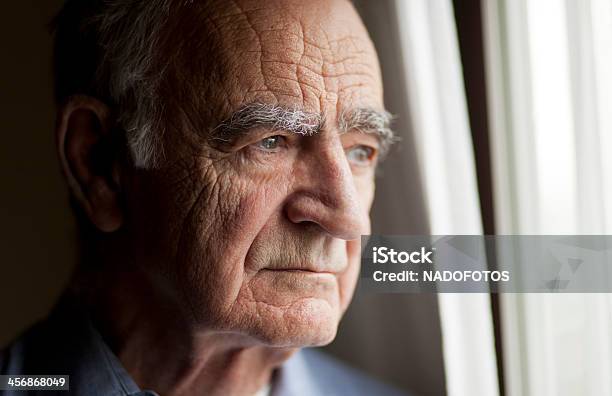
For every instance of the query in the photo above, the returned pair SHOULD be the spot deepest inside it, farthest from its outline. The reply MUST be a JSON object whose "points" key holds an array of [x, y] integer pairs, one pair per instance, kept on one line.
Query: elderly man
{"points": [[220, 157]]}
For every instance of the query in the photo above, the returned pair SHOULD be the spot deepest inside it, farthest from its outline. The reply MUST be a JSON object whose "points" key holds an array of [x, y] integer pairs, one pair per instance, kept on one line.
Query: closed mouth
{"points": [[306, 271]]}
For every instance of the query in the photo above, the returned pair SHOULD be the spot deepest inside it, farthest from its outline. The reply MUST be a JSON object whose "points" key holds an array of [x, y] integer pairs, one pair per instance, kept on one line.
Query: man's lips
{"points": [[312, 269], [299, 270]]}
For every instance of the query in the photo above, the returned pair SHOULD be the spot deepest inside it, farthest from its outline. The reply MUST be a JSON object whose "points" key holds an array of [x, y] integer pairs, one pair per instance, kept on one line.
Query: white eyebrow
{"points": [[298, 121], [369, 120], [268, 115]]}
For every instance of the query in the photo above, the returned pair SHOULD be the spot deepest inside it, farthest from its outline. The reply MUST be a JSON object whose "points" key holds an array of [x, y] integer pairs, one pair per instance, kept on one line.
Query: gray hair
{"points": [[112, 49], [109, 49]]}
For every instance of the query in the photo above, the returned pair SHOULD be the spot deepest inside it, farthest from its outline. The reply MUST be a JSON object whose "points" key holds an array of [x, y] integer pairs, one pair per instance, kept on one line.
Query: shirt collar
{"points": [[295, 378], [94, 368]]}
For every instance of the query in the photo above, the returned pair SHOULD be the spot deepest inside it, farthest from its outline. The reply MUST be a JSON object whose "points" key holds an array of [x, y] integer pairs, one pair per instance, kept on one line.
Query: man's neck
{"points": [[164, 352]]}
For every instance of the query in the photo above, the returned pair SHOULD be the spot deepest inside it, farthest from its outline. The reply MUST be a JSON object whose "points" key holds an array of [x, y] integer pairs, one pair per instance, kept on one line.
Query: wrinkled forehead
{"points": [[315, 55]]}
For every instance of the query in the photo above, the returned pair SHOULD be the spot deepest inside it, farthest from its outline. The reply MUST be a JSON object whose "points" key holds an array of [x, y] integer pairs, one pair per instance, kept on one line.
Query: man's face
{"points": [[257, 232]]}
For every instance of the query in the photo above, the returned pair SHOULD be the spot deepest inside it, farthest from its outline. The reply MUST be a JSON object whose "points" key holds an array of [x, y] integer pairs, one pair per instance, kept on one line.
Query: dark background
{"points": [[36, 238]]}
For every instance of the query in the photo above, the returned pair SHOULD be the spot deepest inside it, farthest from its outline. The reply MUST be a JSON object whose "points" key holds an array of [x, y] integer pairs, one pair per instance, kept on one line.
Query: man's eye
{"points": [[360, 155], [270, 143]]}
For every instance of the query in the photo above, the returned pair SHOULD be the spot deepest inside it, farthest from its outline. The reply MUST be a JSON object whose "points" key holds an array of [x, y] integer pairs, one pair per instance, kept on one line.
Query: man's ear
{"points": [[89, 156]]}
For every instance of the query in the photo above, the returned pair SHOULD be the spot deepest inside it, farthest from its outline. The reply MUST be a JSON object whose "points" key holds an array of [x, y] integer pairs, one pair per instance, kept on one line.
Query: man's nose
{"points": [[326, 195]]}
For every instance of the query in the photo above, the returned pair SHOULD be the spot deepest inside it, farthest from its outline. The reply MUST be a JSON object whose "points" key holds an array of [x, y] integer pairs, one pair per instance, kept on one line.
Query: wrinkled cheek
{"points": [[233, 240], [211, 255]]}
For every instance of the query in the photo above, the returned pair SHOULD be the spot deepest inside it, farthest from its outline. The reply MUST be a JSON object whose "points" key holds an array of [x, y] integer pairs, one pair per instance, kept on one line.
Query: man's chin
{"points": [[309, 321], [288, 309]]}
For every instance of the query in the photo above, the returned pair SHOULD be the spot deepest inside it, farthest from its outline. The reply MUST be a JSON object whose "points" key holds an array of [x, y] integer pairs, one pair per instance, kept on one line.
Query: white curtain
{"points": [[429, 49], [549, 74]]}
